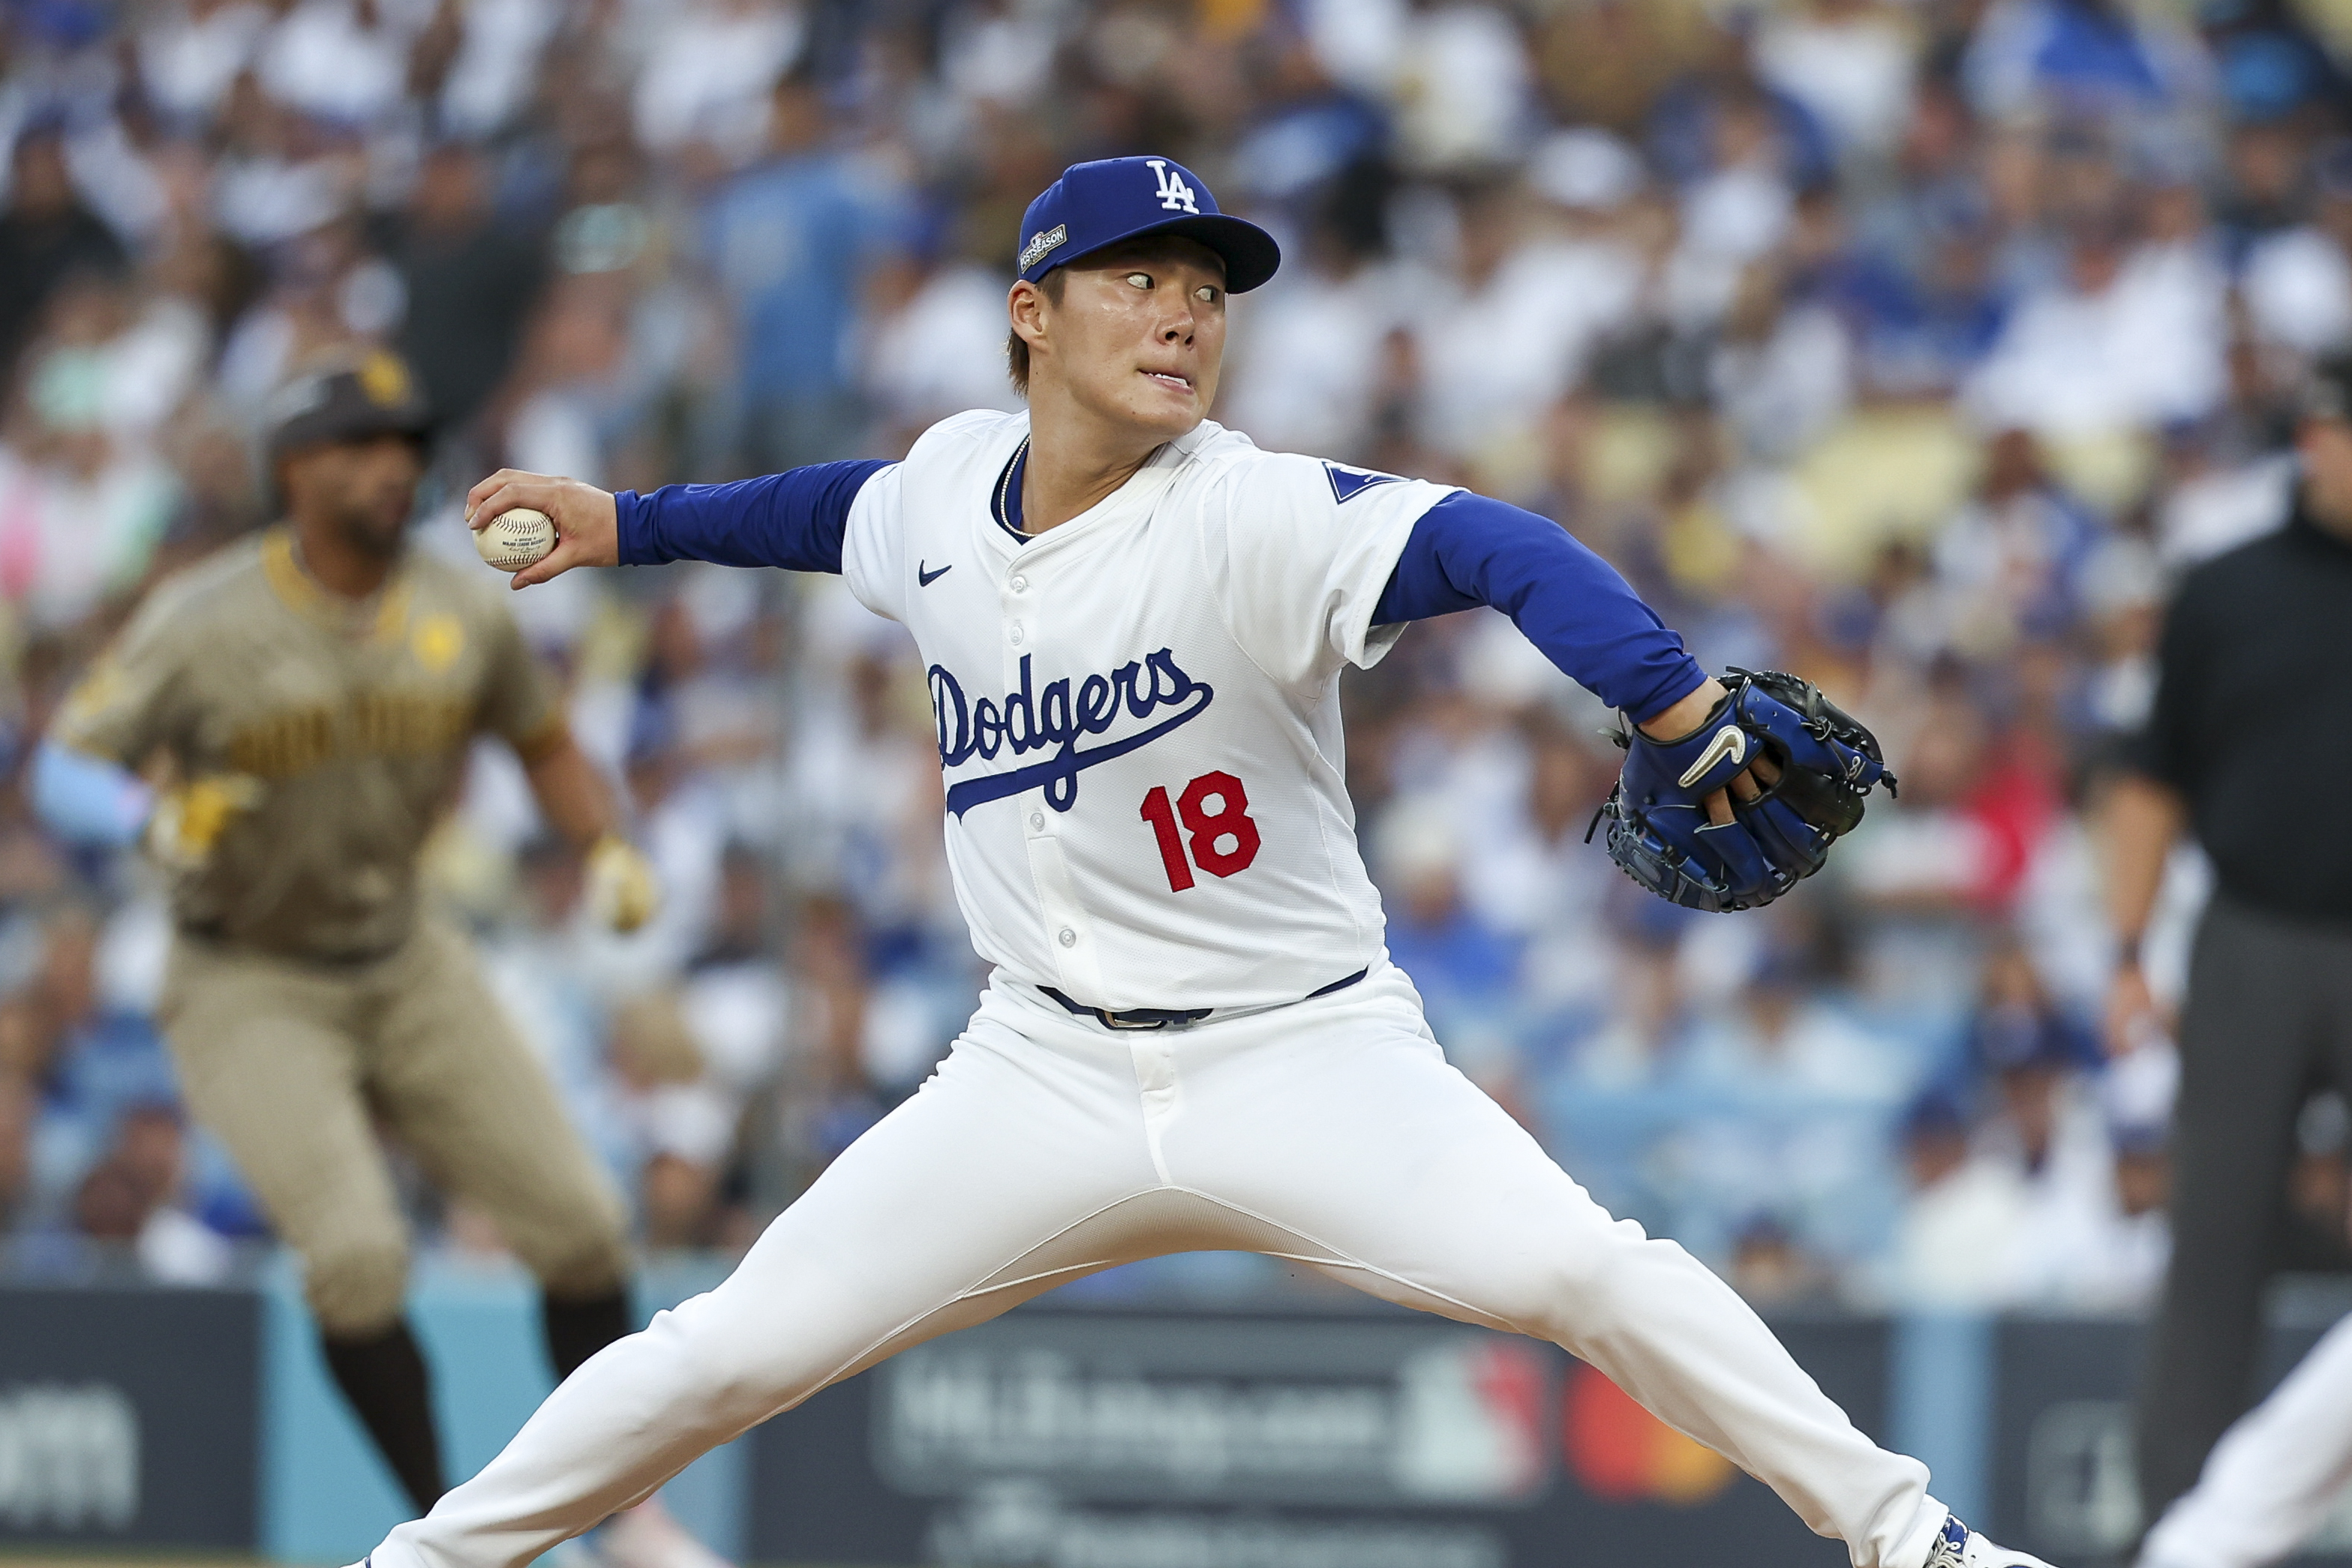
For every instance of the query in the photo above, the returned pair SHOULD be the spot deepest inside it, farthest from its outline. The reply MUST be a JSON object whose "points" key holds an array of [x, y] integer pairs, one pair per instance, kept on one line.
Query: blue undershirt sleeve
{"points": [[1473, 549], [87, 800], [793, 520]]}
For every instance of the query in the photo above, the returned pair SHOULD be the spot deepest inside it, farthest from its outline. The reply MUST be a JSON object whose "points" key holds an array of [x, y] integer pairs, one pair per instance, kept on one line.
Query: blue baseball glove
{"points": [[1658, 829]]}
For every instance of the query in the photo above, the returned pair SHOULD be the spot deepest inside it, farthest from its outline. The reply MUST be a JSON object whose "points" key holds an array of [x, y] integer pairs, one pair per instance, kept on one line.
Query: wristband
{"points": [[2127, 952]]}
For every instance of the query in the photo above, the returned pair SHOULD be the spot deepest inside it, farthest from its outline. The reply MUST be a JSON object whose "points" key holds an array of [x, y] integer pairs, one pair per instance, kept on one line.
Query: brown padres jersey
{"points": [[354, 720]]}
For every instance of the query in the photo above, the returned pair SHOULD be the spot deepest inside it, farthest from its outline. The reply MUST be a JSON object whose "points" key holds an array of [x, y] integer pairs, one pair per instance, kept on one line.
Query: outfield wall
{"points": [[1127, 1436]]}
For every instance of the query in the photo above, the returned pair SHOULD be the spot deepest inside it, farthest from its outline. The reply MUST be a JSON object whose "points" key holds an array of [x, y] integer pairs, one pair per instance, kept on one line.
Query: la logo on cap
{"points": [[1174, 194]]}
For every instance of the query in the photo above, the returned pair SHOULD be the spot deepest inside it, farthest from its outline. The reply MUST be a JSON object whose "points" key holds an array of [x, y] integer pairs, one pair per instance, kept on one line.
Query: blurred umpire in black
{"points": [[2251, 727]]}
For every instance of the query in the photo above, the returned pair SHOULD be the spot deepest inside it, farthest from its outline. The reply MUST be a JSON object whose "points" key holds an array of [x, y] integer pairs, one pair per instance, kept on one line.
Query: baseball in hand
{"points": [[514, 539]]}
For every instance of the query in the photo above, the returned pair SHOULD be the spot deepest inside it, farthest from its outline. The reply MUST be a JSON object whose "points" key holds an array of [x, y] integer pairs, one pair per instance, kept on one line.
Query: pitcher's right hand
{"points": [[587, 519]]}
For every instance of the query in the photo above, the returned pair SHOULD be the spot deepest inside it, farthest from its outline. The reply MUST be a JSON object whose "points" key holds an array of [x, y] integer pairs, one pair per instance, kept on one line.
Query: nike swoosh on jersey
{"points": [[925, 579], [1731, 741]]}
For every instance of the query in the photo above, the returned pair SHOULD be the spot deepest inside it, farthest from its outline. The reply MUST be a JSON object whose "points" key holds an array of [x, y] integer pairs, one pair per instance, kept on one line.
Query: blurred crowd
{"points": [[1915, 346]]}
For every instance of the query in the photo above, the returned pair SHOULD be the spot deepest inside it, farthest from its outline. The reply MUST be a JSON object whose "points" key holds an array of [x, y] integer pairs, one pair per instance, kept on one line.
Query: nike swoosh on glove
{"points": [[1658, 828]]}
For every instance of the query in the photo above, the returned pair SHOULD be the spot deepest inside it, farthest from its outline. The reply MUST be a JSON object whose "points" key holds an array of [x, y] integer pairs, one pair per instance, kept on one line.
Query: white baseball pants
{"points": [[1046, 1146], [2269, 1480]]}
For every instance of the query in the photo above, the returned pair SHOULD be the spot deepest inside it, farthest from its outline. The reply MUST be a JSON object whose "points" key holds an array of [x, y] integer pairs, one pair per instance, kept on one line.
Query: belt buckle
{"points": [[1113, 1021]]}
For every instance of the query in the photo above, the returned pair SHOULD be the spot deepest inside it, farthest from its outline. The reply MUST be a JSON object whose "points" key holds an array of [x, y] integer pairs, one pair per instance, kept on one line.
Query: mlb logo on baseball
{"points": [[1174, 194]]}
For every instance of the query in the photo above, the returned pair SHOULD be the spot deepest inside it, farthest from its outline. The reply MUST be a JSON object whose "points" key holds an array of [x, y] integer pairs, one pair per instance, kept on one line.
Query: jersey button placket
{"points": [[1065, 918], [1019, 610]]}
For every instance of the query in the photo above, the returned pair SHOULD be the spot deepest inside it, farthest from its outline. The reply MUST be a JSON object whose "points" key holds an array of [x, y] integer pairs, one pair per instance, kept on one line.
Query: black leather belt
{"points": [[1166, 1017]]}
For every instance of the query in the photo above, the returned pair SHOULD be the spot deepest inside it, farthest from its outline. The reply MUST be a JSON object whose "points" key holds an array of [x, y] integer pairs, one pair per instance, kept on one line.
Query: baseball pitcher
{"points": [[1134, 623]]}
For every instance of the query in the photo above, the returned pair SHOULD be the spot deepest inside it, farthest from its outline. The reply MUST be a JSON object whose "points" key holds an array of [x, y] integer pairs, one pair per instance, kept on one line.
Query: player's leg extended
{"points": [[2271, 1476], [484, 1117], [479, 1111], [268, 1058], [1340, 1120], [1004, 1175]]}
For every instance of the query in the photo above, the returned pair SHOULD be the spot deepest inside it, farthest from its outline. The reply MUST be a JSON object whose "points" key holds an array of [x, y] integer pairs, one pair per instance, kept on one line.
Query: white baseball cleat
{"points": [[649, 1536], [1958, 1546]]}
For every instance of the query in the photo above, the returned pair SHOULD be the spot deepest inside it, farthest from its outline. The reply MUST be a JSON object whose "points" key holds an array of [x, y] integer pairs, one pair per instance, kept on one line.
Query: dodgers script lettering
{"points": [[1029, 718]]}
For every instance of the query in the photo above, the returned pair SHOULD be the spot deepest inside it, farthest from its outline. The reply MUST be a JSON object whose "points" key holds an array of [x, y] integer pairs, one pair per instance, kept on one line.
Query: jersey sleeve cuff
{"points": [[1668, 693], [629, 530]]}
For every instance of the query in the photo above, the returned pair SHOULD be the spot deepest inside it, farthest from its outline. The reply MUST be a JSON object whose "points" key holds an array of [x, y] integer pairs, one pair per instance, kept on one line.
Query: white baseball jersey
{"points": [[1138, 710], [1140, 731], [1138, 725]]}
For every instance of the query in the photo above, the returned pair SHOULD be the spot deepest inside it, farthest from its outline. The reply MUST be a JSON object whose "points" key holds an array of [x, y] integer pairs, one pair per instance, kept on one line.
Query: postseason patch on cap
{"points": [[1042, 245]]}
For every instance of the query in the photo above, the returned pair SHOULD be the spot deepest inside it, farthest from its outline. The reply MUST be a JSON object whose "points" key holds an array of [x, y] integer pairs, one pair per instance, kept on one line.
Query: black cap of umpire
{"points": [[348, 400]]}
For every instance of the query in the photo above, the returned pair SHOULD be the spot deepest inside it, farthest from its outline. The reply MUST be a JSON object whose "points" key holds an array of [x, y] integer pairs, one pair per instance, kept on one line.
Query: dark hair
{"points": [[1016, 351]]}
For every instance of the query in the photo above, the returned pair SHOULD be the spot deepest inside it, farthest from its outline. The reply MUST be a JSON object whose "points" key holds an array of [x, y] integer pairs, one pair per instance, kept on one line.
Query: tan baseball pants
{"points": [[290, 1061]]}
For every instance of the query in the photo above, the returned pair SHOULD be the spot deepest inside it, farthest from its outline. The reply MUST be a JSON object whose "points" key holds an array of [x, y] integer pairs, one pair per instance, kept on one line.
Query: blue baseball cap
{"points": [[1102, 202]]}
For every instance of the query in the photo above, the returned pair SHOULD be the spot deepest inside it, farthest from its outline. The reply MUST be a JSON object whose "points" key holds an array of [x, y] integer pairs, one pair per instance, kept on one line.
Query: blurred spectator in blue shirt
{"points": [[2267, 62], [97, 1062], [789, 238], [1790, 1093], [1466, 969], [2089, 1232], [2010, 561], [107, 1154], [2082, 55], [1790, 1036], [1716, 118], [2021, 1037], [134, 1199], [1921, 299], [1961, 1212]]}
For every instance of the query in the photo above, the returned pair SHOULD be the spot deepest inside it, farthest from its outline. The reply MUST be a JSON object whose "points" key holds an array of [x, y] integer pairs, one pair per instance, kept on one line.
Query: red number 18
{"points": [[1209, 829]]}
